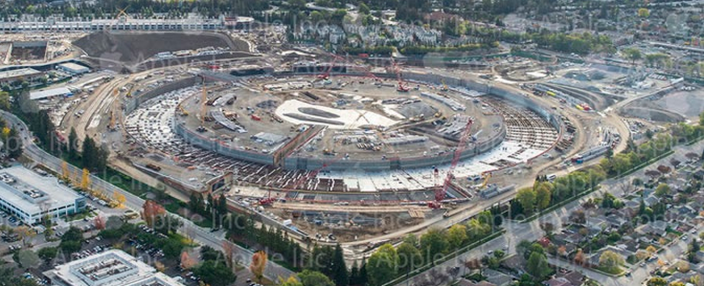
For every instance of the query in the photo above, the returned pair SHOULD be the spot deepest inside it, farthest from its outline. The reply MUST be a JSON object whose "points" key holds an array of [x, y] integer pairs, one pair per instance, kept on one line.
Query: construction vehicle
{"points": [[183, 111], [328, 152], [486, 180], [440, 192], [474, 137], [256, 118], [444, 86], [112, 126], [153, 167]]}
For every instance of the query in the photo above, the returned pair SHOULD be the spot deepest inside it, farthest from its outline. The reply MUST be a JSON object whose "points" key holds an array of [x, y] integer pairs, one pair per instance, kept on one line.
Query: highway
{"points": [[199, 234]]}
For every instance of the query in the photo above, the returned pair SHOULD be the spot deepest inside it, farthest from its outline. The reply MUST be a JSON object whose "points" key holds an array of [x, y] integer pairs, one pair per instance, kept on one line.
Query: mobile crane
{"points": [[401, 86]]}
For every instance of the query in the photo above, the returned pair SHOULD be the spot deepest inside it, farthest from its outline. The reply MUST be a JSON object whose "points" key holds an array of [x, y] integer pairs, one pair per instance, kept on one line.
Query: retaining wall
{"points": [[136, 100], [335, 163]]}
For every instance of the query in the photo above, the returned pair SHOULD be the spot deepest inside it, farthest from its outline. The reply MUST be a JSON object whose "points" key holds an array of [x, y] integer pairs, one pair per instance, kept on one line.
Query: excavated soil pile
{"points": [[134, 47]]}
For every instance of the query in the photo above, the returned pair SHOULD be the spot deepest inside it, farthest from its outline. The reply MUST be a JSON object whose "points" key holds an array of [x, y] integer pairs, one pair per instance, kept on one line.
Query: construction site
{"points": [[368, 151]]}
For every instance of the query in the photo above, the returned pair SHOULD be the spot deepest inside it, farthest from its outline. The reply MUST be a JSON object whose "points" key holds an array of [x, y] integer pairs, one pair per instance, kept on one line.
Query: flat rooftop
{"points": [[73, 66], [110, 268], [42, 94], [28, 190], [18, 73]]}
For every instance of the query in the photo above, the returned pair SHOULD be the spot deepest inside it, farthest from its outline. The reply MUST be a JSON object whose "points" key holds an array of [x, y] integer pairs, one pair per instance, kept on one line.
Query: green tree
{"points": [[382, 265], [657, 281], [610, 260], [4, 100], [291, 281], [8, 277], [339, 268], [662, 190], [692, 251], [47, 253], [27, 259], [412, 240], [72, 144], [632, 54], [477, 229], [315, 278], [89, 153], [409, 258], [215, 273], [542, 195], [433, 243], [526, 197], [456, 235], [537, 265], [71, 240], [13, 144]]}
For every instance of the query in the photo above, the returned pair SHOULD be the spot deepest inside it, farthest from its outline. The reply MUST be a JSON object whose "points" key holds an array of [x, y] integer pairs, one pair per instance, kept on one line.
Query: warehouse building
{"points": [[50, 93], [110, 268], [73, 69], [24, 74], [30, 196]]}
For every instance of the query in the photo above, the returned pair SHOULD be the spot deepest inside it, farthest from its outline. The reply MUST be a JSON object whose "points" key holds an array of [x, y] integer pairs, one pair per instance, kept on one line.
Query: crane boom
{"points": [[327, 72], [440, 192], [401, 86]]}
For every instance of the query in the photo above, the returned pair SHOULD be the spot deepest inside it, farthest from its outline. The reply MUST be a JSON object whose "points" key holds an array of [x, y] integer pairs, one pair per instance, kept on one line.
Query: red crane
{"points": [[401, 86], [326, 74], [440, 192]]}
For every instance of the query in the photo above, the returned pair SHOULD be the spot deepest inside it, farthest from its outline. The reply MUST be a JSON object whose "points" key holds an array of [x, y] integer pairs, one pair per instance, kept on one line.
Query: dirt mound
{"points": [[135, 47], [654, 114]]}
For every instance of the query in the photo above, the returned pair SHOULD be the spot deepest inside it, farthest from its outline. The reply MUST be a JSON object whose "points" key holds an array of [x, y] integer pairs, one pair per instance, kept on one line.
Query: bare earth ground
{"points": [[133, 47]]}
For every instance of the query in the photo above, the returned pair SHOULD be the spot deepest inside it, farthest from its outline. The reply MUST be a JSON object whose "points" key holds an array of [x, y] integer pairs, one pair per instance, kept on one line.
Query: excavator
{"points": [[486, 181], [183, 111]]}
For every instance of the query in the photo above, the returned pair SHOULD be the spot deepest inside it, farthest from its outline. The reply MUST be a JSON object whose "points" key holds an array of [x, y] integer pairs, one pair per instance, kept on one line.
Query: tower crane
{"points": [[440, 192]]}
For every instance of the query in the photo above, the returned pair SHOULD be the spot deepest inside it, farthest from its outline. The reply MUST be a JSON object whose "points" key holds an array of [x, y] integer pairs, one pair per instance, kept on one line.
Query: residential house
{"points": [[465, 282], [497, 278], [575, 278], [559, 281], [515, 263]]}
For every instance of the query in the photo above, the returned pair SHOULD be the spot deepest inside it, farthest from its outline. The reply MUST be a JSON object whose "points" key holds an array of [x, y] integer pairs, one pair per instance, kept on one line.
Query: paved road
{"points": [[135, 203]]}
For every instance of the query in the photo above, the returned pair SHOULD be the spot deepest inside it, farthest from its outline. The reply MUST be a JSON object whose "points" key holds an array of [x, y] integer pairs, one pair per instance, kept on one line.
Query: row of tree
{"points": [[544, 194], [38, 120], [388, 263], [658, 145], [275, 240], [211, 207]]}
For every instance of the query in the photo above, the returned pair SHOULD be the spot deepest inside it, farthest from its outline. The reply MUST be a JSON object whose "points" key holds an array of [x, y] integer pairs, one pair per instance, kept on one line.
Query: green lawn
{"points": [[609, 270]]}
